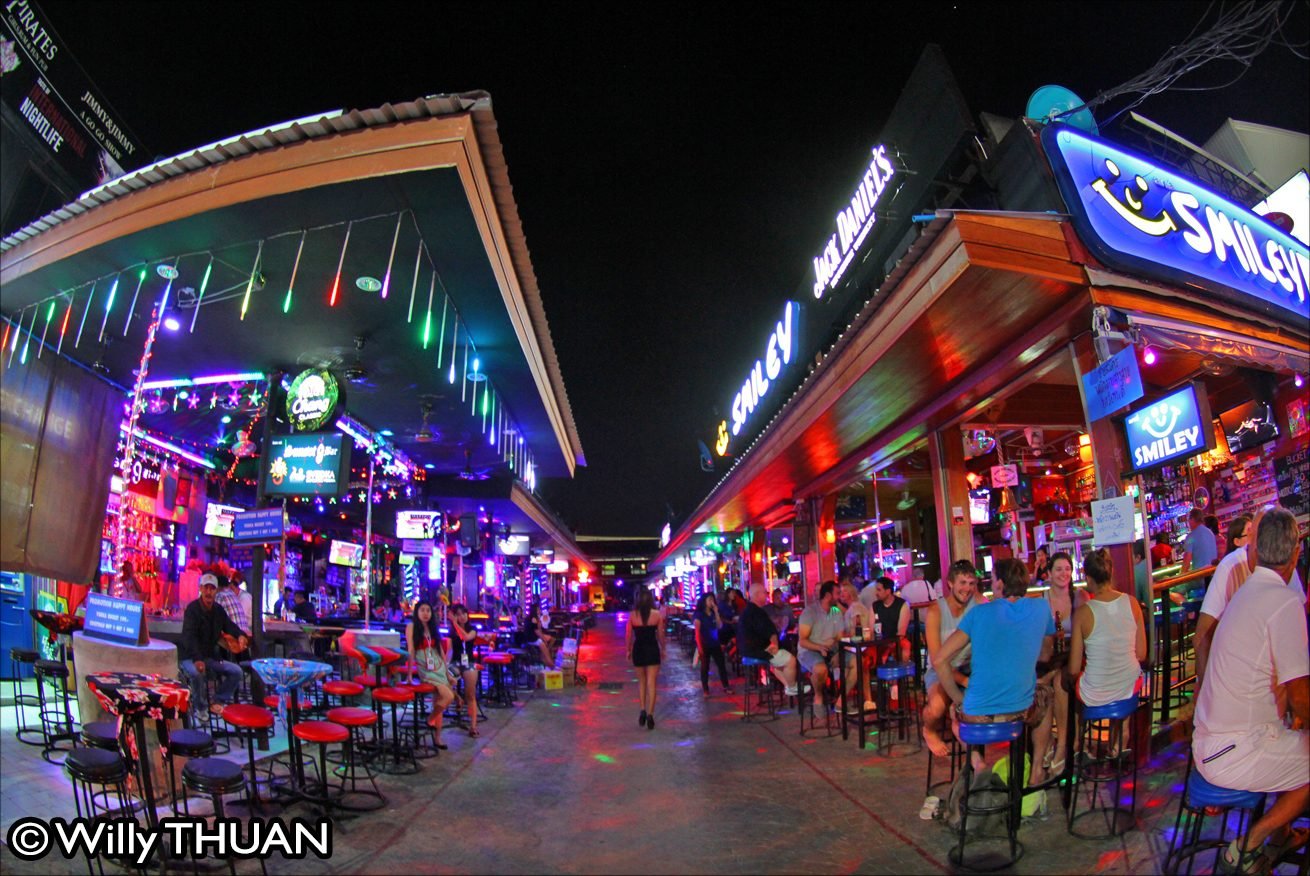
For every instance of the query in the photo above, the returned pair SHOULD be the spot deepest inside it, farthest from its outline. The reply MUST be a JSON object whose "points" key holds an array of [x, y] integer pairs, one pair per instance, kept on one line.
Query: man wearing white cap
{"points": [[197, 652]]}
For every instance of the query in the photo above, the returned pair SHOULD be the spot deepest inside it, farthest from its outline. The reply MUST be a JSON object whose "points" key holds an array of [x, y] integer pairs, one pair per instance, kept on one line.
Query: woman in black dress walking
{"points": [[645, 643]]}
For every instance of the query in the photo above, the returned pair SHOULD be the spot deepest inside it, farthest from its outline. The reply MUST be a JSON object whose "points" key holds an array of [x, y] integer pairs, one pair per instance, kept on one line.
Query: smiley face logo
{"points": [[1159, 420], [1130, 208]]}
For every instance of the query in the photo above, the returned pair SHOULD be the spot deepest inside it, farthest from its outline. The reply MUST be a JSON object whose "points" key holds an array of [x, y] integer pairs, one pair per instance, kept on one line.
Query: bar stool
{"points": [[353, 760], [759, 684], [417, 712], [19, 658], [188, 744], [342, 690], [904, 717], [99, 780], [499, 695], [986, 734], [807, 697], [322, 733], [1198, 796], [100, 734], [213, 777], [402, 760], [1114, 764], [57, 723], [249, 721]]}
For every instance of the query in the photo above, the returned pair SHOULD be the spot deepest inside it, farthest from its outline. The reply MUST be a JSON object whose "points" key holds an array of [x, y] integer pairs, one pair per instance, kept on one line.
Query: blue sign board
{"points": [[113, 620], [1112, 384], [258, 527], [1174, 428], [1139, 216]]}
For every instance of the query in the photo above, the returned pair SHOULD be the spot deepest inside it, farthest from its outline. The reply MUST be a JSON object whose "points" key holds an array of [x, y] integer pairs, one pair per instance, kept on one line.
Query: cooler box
{"points": [[552, 679]]}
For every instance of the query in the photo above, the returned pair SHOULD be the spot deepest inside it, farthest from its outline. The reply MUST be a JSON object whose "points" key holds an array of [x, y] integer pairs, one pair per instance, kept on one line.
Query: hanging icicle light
{"points": [[295, 267], [49, 316], [250, 284], [463, 384], [336, 280], [395, 238], [85, 310], [441, 337], [63, 328], [127, 323], [427, 320], [109, 305]]}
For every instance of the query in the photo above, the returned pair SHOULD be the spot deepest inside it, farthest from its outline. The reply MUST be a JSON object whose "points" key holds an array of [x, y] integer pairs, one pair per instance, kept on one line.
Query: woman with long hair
{"points": [[1063, 601], [428, 661], [707, 622], [1041, 566], [462, 638], [537, 635], [645, 644]]}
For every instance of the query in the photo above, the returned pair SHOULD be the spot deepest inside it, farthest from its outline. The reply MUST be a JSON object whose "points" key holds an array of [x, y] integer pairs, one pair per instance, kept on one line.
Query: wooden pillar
{"points": [[950, 491], [756, 556]]}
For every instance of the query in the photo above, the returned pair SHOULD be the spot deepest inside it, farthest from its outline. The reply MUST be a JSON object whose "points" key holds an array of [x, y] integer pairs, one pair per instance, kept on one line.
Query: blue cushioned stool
{"points": [[987, 734], [1114, 763], [1199, 795], [759, 689], [899, 720]]}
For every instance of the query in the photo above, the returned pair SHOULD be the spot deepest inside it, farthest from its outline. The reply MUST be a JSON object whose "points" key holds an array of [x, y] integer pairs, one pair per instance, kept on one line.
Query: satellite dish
{"points": [[1049, 101]]}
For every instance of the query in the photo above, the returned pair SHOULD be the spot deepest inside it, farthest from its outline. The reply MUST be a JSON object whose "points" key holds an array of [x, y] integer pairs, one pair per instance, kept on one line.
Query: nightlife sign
{"points": [[1138, 216], [313, 399], [46, 86], [778, 352], [854, 222], [1175, 427], [307, 465]]}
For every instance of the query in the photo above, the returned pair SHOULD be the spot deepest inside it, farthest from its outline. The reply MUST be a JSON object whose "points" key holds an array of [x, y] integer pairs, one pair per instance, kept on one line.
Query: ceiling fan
{"points": [[469, 474]]}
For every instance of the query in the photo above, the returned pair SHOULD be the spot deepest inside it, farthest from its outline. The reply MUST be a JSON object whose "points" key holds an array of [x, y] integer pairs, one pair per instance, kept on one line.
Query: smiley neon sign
{"points": [[1151, 220], [1174, 427]]}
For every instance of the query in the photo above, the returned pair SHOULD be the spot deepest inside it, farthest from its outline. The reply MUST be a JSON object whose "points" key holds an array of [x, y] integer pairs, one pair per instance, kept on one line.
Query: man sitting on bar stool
{"points": [[202, 623], [1009, 635], [1259, 669], [758, 639], [944, 617]]}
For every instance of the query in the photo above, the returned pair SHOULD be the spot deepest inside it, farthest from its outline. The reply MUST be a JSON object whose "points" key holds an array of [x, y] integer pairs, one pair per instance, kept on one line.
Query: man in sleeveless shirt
{"points": [[942, 619]]}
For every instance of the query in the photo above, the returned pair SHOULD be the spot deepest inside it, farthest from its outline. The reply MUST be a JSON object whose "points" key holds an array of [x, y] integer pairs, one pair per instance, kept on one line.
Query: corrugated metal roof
{"points": [[475, 103]]}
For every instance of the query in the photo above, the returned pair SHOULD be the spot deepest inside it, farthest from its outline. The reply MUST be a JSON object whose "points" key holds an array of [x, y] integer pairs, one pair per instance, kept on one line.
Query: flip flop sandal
{"points": [[929, 809], [1296, 837], [475, 734]]}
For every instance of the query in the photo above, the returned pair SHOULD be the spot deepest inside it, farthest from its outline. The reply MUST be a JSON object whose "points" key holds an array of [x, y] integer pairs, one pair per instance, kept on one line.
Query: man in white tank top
{"points": [[943, 618]]}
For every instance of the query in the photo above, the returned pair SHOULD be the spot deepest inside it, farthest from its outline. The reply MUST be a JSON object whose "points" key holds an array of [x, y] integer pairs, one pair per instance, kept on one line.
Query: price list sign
{"points": [[114, 620]]}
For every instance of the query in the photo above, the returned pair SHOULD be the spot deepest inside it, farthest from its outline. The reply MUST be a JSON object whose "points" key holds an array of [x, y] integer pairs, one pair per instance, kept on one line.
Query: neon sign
{"points": [[1175, 427], [777, 353], [854, 222], [312, 399], [1151, 220]]}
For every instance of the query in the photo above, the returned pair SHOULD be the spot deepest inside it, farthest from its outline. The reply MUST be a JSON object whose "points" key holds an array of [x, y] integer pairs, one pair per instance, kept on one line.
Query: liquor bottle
{"points": [[859, 629], [877, 627], [1059, 634]]}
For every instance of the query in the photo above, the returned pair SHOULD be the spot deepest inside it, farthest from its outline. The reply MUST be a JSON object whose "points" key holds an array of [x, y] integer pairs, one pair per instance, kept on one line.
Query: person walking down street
{"points": [[428, 661], [645, 644], [706, 621]]}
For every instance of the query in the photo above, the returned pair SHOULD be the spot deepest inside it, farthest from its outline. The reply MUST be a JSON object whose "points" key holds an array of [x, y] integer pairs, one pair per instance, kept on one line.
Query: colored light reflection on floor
{"points": [[603, 758]]}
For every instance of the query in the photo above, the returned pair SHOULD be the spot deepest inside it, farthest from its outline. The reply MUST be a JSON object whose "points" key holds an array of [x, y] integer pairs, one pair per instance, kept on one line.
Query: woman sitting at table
{"points": [[1063, 601], [537, 634], [463, 638], [1109, 633], [428, 662]]}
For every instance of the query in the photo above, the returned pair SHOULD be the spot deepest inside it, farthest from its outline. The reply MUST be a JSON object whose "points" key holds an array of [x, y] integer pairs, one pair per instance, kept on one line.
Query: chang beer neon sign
{"points": [[779, 350], [854, 222], [313, 399], [1151, 220]]}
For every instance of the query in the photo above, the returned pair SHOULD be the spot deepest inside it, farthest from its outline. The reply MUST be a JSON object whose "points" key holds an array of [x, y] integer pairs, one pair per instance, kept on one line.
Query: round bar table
{"points": [[133, 697], [287, 677]]}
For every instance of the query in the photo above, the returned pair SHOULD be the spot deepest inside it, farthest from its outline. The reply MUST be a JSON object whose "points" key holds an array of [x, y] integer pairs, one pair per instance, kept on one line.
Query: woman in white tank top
{"points": [[1108, 631]]}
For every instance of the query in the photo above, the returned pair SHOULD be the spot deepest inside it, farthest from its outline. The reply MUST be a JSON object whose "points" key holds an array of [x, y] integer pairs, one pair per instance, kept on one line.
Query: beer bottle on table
{"points": [[1059, 634], [859, 631]]}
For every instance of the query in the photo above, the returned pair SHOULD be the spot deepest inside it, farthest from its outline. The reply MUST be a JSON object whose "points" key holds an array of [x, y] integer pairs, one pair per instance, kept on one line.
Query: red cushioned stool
{"points": [[401, 760], [342, 690], [249, 721], [322, 733], [499, 696], [354, 761], [423, 747]]}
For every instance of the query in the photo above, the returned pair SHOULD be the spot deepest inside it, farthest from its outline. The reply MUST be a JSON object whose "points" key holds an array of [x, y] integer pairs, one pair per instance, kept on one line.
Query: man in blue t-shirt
{"points": [[1200, 548], [1009, 636]]}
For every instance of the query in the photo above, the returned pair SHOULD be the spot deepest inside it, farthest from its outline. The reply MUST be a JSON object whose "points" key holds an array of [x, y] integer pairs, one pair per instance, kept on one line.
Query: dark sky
{"points": [[676, 166]]}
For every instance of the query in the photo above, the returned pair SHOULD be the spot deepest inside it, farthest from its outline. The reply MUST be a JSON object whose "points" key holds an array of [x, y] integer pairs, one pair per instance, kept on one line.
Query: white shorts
{"points": [[1270, 758]]}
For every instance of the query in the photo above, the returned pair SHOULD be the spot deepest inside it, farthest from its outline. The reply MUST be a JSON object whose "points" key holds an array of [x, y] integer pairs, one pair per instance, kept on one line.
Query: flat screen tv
{"points": [[1249, 425], [794, 567], [345, 553], [980, 506], [218, 519], [418, 524], [514, 546]]}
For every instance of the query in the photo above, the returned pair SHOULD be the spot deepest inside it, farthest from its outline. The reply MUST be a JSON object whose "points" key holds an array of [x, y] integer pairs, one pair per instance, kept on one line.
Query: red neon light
{"points": [[336, 284], [64, 327]]}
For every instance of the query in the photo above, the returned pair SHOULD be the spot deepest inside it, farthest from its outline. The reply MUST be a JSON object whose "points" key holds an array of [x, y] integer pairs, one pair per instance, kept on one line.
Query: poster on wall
{"points": [[1292, 476], [1112, 521]]}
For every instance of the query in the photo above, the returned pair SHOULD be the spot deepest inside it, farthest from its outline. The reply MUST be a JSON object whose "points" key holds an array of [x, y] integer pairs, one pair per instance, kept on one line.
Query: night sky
{"points": [[675, 166]]}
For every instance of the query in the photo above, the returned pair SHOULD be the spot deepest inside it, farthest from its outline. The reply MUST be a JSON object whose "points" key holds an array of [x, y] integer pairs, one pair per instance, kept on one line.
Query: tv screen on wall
{"points": [[1248, 426]]}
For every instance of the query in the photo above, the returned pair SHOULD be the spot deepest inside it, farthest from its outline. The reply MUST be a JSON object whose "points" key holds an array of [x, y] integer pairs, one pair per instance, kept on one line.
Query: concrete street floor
{"points": [[567, 782]]}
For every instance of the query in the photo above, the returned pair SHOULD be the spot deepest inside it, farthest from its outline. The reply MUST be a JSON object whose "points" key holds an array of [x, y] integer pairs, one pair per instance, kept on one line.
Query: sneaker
{"points": [[790, 690]]}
